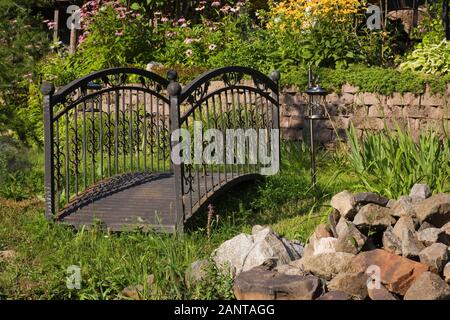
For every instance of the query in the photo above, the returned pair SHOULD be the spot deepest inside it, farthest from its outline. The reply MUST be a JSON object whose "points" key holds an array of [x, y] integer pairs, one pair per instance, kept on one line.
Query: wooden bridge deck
{"points": [[148, 204]]}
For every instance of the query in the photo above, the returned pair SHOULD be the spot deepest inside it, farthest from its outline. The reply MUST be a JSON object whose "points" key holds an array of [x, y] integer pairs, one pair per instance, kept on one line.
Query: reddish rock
{"points": [[262, 284], [396, 273]]}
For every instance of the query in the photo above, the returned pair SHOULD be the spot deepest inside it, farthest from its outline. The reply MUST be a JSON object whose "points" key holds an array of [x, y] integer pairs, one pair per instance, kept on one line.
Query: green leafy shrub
{"points": [[19, 176], [429, 58], [391, 162]]}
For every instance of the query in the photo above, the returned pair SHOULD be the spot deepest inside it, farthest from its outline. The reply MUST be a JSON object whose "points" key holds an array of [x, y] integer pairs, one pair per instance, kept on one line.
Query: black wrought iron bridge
{"points": [[108, 144]]}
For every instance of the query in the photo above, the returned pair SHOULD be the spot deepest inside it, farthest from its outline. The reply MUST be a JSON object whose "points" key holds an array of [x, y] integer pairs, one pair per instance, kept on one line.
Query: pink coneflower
{"points": [[182, 20], [119, 33], [164, 19], [188, 40], [215, 4], [200, 8]]}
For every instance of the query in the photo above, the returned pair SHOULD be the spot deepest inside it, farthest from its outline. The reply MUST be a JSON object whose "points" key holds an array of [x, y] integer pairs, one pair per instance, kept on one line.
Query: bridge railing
{"points": [[125, 123], [223, 117], [108, 123]]}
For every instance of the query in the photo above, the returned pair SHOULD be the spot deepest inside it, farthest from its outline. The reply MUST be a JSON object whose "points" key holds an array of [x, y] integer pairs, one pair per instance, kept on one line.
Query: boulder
{"points": [[289, 270], [325, 265], [436, 256], [428, 286], [364, 198], [350, 239], [344, 202], [446, 229], [424, 226], [262, 284], [396, 273], [354, 284], [322, 231], [420, 192], [334, 295], [411, 246], [403, 225], [373, 217], [245, 252], [433, 235], [446, 272], [403, 207], [196, 272], [325, 245], [380, 293], [435, 210], [231, 256], [391, 242]]}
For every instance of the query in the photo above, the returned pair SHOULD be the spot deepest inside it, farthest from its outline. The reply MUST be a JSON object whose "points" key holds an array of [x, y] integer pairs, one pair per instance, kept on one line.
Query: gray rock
{"points": [[420, 192], [433, 235], [446, 272], [364, 198], [391, 242], [295, 248], [373, 217], [309, 250], [403, 225], [411, 246], [380, 293], [245, 252], [350, 239], [428, 286], [436, 256], [325, 245], [435, 210], [344, 202], [290, 270], [262, 284], [403, 207], [196, 272], [335, 295], [354, 284], [325, 265], [390, 203], [424, 226], [257, 228]]}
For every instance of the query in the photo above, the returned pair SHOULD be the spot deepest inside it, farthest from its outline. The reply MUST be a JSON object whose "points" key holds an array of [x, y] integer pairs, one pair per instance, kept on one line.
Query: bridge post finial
{"points": [[174, 88], [275, 76]]}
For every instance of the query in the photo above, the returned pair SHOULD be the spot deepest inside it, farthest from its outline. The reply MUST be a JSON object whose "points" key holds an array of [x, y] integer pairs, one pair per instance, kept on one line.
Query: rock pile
{"points": [[371, 248]]}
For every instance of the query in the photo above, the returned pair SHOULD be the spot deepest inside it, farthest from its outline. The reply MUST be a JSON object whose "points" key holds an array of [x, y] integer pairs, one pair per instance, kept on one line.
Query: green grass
{"points": [[111, 262], [287, 202]]}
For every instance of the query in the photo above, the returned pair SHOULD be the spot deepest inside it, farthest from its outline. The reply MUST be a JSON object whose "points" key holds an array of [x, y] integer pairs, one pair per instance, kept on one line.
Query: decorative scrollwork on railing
{"points": [[188, 179], [199, 93], [76, 143], [232, 79], [150, 84], [259, 84]]}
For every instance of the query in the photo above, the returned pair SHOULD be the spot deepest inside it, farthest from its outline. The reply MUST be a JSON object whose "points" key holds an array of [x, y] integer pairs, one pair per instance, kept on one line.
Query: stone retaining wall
{"points": [[367, 111]]}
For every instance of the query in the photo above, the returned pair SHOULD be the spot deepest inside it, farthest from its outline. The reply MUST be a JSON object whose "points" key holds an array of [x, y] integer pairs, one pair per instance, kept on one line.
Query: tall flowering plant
{"points": [[323, 31]]}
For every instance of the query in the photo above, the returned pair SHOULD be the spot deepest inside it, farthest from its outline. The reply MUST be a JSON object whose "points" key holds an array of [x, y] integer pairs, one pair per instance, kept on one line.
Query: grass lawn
{"points": [[111, 262]]}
